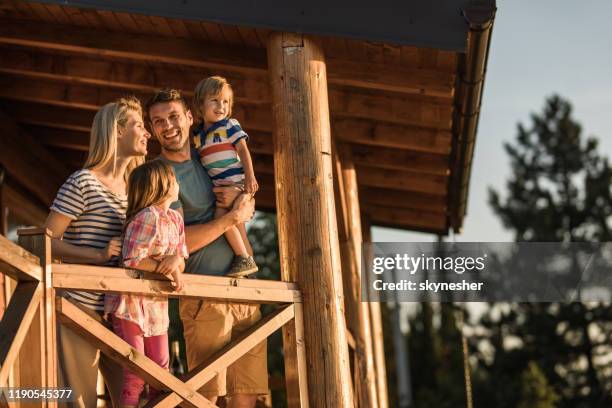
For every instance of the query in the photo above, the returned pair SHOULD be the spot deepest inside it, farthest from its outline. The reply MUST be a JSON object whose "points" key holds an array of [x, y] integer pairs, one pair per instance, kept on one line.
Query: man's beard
{"points": [[175, 147]]}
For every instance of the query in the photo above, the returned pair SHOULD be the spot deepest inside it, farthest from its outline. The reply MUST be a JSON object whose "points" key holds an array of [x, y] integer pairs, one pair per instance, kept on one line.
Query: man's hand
{"points": [[226, 195], [243, 208]]}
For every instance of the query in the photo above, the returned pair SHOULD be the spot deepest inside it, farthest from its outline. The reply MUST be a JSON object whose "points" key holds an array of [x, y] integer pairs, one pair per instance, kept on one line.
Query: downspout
{"points": [[468, 98]]}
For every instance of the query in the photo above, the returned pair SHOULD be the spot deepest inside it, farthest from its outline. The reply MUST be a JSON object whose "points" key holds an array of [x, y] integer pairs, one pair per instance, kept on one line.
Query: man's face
{"points": [[170, 123]]}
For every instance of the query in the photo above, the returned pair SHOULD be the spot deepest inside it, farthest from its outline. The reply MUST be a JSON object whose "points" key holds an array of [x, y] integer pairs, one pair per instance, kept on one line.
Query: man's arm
{"points": [[199, 235]]}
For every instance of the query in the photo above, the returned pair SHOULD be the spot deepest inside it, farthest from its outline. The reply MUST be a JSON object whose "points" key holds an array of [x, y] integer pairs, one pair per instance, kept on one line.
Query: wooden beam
{"points": [[227, 355], [249, 61], [306, 213], [121, 352], [24, 207], [396, 159], [16, 323], [95, 278], [28, 162], [399, 199], [38, 242], [357, 310], [18, 263], [378, 344]]}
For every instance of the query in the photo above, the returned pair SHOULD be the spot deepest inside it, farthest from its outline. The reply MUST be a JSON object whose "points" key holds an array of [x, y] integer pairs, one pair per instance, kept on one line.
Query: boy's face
{"points": [[217, 107], [170, 122]]}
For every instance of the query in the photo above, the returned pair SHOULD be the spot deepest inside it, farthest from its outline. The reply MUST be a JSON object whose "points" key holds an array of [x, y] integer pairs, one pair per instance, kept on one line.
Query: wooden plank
{"points": [[121, 352], [249, 37], [371, 133], [402, 180], [251, 61], [391, 108], [227, 355], [28, 162], [161, 25], [109, 20], [50, 116], [418, 220], [18, 263], [18, 317], [309, 249], [400, 199], [135, 77], [395, 159], [232, 36], [367, 75], [295, 360], [94, 278]]}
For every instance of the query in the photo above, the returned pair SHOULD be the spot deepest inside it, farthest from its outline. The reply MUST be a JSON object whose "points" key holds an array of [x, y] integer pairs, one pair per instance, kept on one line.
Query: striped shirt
{"points": [[216, 147], [97, 215]]}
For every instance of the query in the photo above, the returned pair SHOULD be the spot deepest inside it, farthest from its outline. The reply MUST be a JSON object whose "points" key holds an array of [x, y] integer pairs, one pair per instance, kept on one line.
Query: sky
{"points": [[538, 48]]}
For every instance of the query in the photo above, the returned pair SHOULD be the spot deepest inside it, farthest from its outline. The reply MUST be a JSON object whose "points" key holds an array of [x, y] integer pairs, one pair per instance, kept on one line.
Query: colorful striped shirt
{"points": [[217, 149], [97, 215], [152, 233]]}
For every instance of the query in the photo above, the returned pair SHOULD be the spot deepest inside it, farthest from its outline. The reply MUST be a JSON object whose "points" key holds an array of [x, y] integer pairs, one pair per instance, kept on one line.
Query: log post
{"points": [[377, 331], [357, 312], [308, 236], [41, 368]]}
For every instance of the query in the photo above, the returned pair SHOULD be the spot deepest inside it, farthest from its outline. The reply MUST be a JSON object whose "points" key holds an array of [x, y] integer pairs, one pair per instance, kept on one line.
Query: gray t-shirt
{"points": [[198, 202]]}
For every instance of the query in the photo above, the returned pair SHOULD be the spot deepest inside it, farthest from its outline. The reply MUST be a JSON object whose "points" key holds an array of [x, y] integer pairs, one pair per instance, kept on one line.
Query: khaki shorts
{"points": [[208, 326]]}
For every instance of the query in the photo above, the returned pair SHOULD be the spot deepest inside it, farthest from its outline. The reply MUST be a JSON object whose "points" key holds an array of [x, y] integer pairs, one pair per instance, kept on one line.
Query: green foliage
{"points": [[535, 390], [559, 190]]}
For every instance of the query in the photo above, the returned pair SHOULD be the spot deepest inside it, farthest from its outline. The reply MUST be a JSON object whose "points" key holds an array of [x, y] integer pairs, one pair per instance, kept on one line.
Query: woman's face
{"points": [[132, 138]]}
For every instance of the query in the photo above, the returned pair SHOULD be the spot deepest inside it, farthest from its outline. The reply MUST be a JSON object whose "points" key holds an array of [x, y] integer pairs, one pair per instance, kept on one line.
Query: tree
{"points": [[535, 390], [559, 190]]}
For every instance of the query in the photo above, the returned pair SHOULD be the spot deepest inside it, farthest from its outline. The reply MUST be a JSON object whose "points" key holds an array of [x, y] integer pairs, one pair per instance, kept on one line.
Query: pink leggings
{"points": [[156, 348]]}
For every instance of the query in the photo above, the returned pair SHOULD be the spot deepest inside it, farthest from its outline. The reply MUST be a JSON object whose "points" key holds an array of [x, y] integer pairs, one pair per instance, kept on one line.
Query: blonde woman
{"points": [[86, 221]]}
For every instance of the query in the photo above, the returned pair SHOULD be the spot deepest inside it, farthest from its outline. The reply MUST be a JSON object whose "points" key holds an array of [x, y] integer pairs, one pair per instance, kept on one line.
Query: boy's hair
{"points": [[104, 131], [161, 96], [210, 86], [148, 184]]}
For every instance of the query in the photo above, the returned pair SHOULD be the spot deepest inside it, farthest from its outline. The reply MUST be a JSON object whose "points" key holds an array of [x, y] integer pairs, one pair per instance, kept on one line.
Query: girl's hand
{"points": [[172, 266], [250, 185], [168, 264], [113, 248]]}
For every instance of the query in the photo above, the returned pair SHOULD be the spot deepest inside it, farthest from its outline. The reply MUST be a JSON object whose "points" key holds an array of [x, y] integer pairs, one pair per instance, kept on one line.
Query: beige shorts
{"points": [[208, 326]]}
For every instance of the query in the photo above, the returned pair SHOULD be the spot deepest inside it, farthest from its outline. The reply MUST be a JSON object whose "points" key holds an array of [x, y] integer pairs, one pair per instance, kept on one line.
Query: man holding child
{"points": [[208, 325]]}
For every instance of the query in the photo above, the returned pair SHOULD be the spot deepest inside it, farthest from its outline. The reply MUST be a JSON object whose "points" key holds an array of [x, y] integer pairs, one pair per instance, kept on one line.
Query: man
{"points": [[208, 325]]}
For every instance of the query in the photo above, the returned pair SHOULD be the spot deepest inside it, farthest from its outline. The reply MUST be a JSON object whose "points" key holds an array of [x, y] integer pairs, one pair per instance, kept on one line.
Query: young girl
{"points": [[221, 144], [154, 240]]}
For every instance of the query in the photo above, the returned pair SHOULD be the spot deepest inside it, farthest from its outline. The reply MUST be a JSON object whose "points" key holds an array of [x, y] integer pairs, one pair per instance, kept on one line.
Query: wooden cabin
{"points": [[356, 118]]}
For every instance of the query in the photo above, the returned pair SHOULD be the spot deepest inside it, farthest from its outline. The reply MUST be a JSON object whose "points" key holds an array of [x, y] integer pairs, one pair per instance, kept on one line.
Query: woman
{"points": [[86, 220]]}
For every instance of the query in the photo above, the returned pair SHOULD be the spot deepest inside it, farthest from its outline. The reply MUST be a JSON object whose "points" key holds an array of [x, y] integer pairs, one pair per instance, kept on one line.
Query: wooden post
{"points": [[357, 312], [377, 333], [306, 210], [41, 368]]}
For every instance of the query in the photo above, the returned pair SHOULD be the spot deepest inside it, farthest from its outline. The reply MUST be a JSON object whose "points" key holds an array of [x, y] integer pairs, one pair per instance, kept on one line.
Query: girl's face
{"points": [[132, 138], [216, 107]]}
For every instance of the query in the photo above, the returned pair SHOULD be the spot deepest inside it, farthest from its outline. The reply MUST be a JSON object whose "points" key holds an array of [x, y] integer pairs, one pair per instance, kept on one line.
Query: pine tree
{"points": [[559, 190]]}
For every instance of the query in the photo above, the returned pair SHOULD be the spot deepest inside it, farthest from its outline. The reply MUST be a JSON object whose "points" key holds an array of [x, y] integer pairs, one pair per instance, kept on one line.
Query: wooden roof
{"points": [[394, 105]]}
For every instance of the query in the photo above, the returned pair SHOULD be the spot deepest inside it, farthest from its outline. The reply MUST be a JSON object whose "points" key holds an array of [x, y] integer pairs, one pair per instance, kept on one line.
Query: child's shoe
{"points": [[242, 266]]}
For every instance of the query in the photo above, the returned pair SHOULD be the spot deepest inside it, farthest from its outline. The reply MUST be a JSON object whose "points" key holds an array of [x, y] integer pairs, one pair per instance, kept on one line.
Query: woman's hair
{"points": [[208, 87], [148, 184], [104, 130]]}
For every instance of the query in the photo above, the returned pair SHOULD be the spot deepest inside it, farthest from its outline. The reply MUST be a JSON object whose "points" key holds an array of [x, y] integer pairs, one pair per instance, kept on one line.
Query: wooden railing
{"points": [[28, 341]]}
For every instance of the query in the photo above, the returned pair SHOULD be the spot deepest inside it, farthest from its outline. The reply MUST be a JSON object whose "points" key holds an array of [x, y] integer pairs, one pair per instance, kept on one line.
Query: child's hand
{"points": [[113, 248], [250, 185], [172, 265]]}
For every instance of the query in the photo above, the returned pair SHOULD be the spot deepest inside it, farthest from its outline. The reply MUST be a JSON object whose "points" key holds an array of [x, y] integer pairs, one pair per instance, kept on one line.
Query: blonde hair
{"points": [[104, 130], [148, 184], [211, 86]]}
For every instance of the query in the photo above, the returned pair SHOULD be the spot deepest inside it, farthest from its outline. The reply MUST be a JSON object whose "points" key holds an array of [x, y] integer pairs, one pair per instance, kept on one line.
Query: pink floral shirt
{"points": [[152, 233]]}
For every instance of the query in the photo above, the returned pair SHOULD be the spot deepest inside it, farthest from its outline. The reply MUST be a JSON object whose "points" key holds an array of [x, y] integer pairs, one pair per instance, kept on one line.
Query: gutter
{"points": [[468, 99]]}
